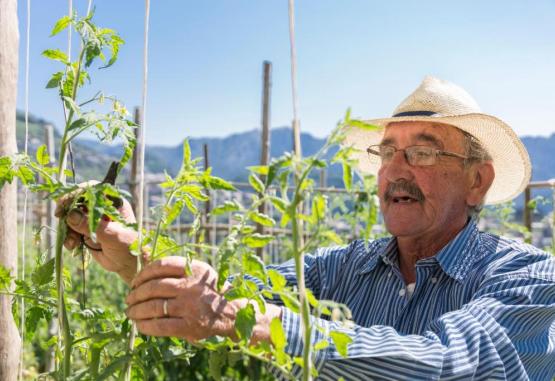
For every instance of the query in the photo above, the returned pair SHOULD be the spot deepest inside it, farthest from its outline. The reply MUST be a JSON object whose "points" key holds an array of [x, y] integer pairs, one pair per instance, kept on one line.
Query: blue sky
{"points": [[205, 67]]}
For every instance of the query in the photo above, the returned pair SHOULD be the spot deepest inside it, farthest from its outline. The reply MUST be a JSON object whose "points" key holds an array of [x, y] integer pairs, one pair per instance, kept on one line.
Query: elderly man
{"points": [[437, 300]]}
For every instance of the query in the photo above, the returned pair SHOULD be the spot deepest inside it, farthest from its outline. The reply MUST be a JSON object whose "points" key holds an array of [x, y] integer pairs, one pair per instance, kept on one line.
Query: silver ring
{"points": [[165, 308]]}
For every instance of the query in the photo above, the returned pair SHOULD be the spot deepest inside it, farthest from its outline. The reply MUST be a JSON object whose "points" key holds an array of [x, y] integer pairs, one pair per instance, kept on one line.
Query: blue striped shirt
{"points": [[483, 308]]}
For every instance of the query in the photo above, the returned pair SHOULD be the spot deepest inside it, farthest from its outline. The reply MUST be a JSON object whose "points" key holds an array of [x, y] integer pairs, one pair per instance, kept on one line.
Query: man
{"points": [[438, 300]]}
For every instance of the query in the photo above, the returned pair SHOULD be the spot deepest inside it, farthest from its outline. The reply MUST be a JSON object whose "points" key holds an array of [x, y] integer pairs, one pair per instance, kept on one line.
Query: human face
{"points": [[439, 210]]}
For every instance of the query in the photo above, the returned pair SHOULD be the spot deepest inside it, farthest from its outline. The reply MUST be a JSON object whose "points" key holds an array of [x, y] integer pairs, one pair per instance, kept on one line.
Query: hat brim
{"points": [[510, 158]]}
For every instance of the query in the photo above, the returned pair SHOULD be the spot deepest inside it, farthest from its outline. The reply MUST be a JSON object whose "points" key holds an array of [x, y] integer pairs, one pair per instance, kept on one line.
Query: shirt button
{"points": [[434, 280], [389, 274], [402, 292]]}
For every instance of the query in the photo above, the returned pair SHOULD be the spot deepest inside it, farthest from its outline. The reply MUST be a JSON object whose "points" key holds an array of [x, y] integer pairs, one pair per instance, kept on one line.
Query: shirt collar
{"points": [[455, 258]]}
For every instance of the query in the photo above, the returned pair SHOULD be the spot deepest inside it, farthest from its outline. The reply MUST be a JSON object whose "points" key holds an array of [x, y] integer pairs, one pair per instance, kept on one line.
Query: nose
{"points": [[397, 168]]}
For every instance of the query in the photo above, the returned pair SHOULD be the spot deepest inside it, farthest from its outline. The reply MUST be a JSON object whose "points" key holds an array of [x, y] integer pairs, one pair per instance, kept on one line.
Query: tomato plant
{"points": [[92, 340]]}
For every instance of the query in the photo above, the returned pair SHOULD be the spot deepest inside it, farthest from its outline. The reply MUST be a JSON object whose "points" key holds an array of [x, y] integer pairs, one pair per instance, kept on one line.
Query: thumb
{"points": [[77, 221]]}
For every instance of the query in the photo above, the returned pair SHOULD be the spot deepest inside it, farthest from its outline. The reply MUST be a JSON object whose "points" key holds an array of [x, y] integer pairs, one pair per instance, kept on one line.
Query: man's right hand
{"points": [[111, 249]]}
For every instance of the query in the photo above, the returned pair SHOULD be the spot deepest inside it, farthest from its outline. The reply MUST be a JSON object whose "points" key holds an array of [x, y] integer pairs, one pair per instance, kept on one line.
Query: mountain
{"points": [[229, 156]]}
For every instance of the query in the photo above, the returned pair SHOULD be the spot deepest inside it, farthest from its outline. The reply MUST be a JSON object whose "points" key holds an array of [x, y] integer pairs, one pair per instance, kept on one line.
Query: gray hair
{"points": [[475, 153]]}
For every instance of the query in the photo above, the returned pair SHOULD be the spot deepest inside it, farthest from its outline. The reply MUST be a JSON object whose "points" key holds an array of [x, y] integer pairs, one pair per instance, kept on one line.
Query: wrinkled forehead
{"points": [[419, 132]]}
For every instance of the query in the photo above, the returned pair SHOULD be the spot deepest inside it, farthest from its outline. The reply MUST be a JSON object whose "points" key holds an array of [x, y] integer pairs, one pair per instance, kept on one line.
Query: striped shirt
{"points": [[483, 308]]}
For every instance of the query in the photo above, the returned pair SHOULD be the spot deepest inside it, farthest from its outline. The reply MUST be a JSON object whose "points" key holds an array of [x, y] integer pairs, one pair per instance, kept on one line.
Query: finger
{"points": [[156, 288], [169, 267], [77, 220], [65, 201], [149, 309], [72, 240], [162, 327]]}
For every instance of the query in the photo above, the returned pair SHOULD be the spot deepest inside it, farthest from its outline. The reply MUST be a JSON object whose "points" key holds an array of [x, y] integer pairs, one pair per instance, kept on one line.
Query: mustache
{"points": [[406, 187]]}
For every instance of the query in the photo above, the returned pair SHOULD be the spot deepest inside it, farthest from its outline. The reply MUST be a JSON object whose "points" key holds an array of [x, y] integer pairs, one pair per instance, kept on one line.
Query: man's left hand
{"points": [[194, 308]]}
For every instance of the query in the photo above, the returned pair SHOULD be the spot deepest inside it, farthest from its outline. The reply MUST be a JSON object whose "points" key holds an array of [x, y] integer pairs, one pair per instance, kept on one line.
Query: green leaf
{"points": [[260, 169], [26, 175], [278, 280], [279, 204], [186, 153], [253, 265], [257, 240], [322, 344], [213, 182], [42, 155], [43, 274], [55, 80], [277, 334], [256, 183], [245, 321], [32, 317], [60, 25], [56, 55], [262, 219], [173, 211], [228, 206], [216, 361], [347, 177], [5, 278], [363, 125], [341, 341]]}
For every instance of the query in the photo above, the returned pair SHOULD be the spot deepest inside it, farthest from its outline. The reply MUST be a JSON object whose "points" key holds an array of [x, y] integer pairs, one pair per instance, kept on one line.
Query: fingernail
{"points": [[75, 216]]}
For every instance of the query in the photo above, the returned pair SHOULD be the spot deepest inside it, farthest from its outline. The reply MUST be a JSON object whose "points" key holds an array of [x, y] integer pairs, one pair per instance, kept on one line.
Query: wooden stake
{"points": [[133, 184], [265, 151], [10, 342]]}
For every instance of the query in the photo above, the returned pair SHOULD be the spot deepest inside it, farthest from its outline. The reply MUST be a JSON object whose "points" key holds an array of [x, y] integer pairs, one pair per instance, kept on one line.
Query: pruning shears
{"points": [[110, 178]]}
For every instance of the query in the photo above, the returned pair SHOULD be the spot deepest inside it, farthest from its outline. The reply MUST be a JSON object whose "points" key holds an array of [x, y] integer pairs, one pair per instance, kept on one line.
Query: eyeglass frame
{"points": [[436, 152]]}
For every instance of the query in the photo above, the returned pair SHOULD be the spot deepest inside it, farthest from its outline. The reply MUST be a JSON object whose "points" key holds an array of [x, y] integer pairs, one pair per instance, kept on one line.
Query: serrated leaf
{"points": [[262, 219], [277, 334], [322, 344], [186, 153], [56, 55], [60, 25], [216, 361], [257, 240], [42, 155], [32, 317], [256, 183], [213, 182], [341, 341], [43, 274], [55, 80], [279, 204], [259, 169], [26, 175], [278, 280], [347, 177], [245, 321], [363, 125], [253, 265], [228, 206], [5, 278]]}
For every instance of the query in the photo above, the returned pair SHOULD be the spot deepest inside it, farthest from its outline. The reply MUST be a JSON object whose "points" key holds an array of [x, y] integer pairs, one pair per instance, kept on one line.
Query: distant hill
{"points": [[230, 155]]}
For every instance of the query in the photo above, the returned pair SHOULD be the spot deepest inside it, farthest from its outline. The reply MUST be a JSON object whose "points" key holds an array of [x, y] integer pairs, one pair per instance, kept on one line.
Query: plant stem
{"points": [[63, 320]]}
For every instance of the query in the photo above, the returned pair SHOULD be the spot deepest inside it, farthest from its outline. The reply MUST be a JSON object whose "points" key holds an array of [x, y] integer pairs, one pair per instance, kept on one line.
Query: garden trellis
{"points": [[226, 225], [236, 252]]}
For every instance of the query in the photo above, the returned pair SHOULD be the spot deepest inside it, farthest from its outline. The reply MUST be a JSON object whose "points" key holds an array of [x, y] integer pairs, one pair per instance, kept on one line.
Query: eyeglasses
{"points": [[415, 155]]}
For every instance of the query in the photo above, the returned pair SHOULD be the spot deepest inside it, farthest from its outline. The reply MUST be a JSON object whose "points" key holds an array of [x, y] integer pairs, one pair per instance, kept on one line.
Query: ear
{"points": [[481, 177]]}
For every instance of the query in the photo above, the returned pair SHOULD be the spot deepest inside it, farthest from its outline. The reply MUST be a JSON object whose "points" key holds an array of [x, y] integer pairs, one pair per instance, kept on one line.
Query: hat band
{"points": [[416, 113]]}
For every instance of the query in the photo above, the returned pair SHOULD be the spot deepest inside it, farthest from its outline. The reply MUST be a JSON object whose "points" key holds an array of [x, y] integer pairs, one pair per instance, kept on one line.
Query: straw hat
{"points": [[440, 101]]}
